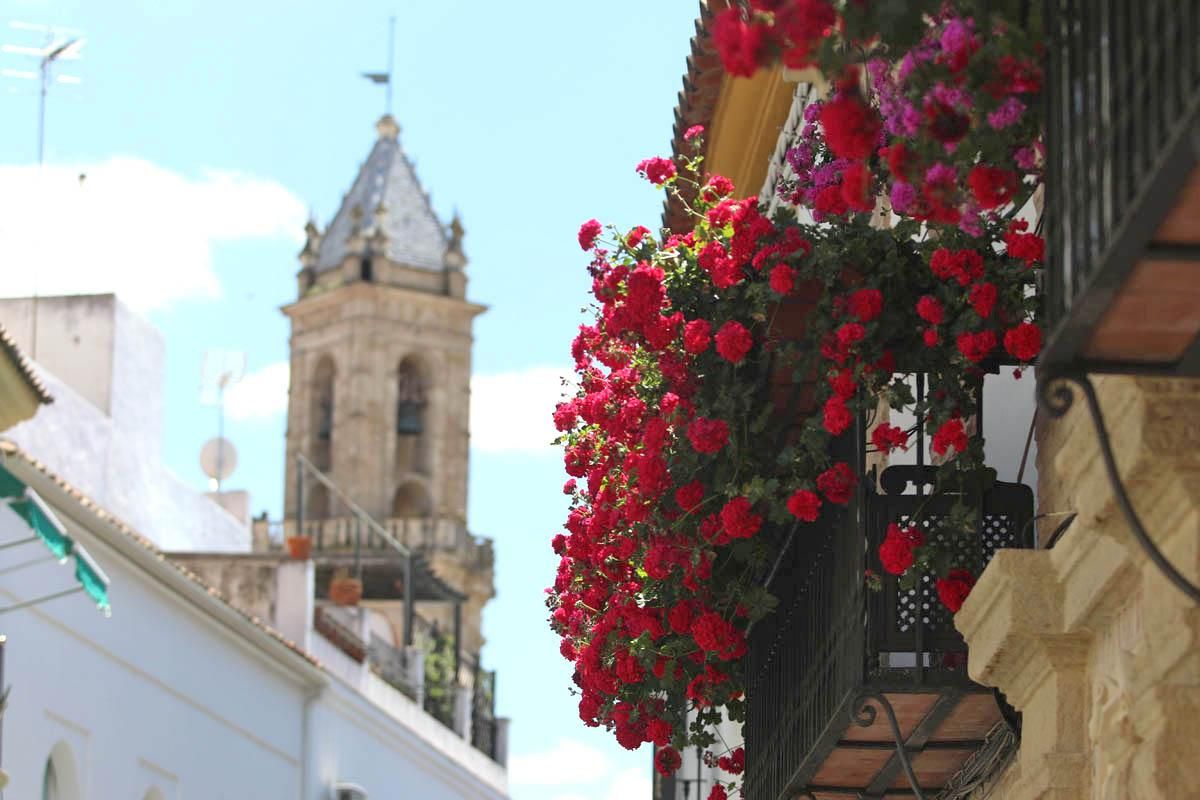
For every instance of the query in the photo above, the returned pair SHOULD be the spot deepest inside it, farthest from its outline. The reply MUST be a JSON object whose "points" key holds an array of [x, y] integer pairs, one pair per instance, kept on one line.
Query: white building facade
{"points": [[179, 694]]}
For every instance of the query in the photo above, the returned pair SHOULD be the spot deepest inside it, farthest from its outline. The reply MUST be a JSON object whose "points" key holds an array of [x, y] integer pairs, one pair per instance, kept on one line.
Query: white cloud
{"points": [[630, 784], [133, 227], [512, 411], [568, 763], [260, 395]]}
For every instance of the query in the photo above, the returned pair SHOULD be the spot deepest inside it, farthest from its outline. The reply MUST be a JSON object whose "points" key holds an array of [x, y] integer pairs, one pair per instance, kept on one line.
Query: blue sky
{"points": [[208, 130]]}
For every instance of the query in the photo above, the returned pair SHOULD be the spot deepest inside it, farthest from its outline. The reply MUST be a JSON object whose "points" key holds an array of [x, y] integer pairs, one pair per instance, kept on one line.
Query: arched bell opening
{"points": [[412, 428], [321, 445]]}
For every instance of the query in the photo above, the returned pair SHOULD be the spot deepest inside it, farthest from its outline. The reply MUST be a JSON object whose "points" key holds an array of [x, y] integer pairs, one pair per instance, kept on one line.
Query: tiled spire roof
{"points": [[386, 195]]}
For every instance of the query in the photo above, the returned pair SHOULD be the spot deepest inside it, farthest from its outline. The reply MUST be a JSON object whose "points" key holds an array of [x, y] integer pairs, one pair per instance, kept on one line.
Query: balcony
{"points": [[1122, 207], [832, 642], [342, 536], [451, 688]]}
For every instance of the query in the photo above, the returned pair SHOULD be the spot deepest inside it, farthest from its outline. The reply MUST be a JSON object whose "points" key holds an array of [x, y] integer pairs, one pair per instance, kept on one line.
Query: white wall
{"points": [[157, 687], [163, 695]]}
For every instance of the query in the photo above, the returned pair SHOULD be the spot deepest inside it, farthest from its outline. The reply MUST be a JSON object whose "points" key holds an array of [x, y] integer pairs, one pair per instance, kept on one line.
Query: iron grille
{"points": [[1122, 110], [483, 712], [830, 638]]}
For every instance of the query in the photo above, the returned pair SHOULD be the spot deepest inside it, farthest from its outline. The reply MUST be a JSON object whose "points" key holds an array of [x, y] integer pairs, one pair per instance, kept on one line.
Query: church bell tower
{"points": [[380, 368]]}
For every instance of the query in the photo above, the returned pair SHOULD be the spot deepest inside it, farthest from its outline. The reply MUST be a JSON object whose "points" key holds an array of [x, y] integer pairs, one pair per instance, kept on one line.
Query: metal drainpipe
{"points": [[307, 757]]}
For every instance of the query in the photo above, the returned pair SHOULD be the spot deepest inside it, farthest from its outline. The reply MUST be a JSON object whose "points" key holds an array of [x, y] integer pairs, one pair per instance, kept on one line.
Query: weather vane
{"points": [[386, 77]]}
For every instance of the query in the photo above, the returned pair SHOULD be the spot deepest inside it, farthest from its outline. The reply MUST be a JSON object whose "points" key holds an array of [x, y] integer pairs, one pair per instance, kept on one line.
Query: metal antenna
{"points": [[386, 77], [222, 369], [60, 45]]}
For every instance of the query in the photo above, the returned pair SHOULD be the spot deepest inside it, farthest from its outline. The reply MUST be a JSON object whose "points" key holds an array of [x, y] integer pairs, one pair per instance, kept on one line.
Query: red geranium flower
{"points": [[689, 495], [930, 309], [667, 761], [783, 279], [866, 304], [1024, 341], [952, 434], [953, 589], [588, 232], [976, 346], [851, 126], [983, 298], [696, 336], [856, 187], [708, 435], [887, 438], [896, 553], [837, 417], [741, 45], [804, 505], [657, 170], [842, 383], [991, 186], [837, 482], [734, 341], [739, 520]]}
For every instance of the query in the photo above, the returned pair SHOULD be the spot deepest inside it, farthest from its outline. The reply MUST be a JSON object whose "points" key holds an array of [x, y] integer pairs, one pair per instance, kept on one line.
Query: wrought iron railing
{"points": [[810, 653], [391, 664], [1123, 106], [831, 639], [483, 712]]}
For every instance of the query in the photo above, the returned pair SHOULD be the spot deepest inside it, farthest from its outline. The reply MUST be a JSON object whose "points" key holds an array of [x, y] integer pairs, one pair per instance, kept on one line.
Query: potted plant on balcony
{"points": [[343, 589], [299, 547], [723, 362]]}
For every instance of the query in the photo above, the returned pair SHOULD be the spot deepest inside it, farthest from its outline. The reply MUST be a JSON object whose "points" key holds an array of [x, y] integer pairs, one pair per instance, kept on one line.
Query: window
{"points": [[321, 447], [59, 779], [50, 782], [410, 398]]}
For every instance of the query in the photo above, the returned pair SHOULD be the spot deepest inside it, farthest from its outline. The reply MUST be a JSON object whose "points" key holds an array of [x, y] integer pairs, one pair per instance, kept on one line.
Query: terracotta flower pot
{"points": [[345, 591], [299, 547]]}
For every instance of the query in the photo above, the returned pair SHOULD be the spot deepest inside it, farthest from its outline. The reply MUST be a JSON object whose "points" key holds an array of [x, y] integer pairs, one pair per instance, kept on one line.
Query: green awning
{"points": [[29, 506]]}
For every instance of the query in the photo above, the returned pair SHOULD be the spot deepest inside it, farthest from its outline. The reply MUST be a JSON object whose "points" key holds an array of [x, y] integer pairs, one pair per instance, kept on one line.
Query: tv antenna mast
{"points": [[222, 369], [58, 45]]}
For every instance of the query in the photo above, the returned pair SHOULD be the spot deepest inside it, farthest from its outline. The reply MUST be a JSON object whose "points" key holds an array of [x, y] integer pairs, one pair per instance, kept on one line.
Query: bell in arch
{"points": [[410, 400], [408, 418]]}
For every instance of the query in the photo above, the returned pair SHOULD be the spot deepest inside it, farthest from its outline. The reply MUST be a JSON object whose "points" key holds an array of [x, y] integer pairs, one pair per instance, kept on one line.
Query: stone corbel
{"points": [[1017, 640]]}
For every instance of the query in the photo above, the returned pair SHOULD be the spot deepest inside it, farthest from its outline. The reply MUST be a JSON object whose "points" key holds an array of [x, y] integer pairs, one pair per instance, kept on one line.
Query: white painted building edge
{"points": [[388, 713]]}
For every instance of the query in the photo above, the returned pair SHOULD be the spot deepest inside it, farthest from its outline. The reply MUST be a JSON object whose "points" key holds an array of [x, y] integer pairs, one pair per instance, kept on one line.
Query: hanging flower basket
{"points": [[299, 547], [725, 363]]}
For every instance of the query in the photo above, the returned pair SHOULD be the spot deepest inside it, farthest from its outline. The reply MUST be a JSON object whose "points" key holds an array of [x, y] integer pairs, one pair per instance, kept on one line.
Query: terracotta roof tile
{"points": [[9, 346], [10, 450], [697, 100]]}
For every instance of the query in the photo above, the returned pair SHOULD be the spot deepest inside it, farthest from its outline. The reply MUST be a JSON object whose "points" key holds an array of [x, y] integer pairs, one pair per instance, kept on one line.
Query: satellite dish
{"points": [[218, 459]]}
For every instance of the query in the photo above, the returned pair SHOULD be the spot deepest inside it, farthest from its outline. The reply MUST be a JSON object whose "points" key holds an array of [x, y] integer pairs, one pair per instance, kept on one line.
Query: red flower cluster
{"points": [[734, 341], [788, 29], [953, 589], [804, 505], [657, 170], [887, 438], [837, 483], [588, 232], [898, 551]]}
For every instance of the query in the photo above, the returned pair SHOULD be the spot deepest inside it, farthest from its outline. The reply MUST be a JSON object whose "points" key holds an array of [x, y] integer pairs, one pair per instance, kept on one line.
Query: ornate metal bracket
{"points": [[1056, 396], [864, 714]]}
